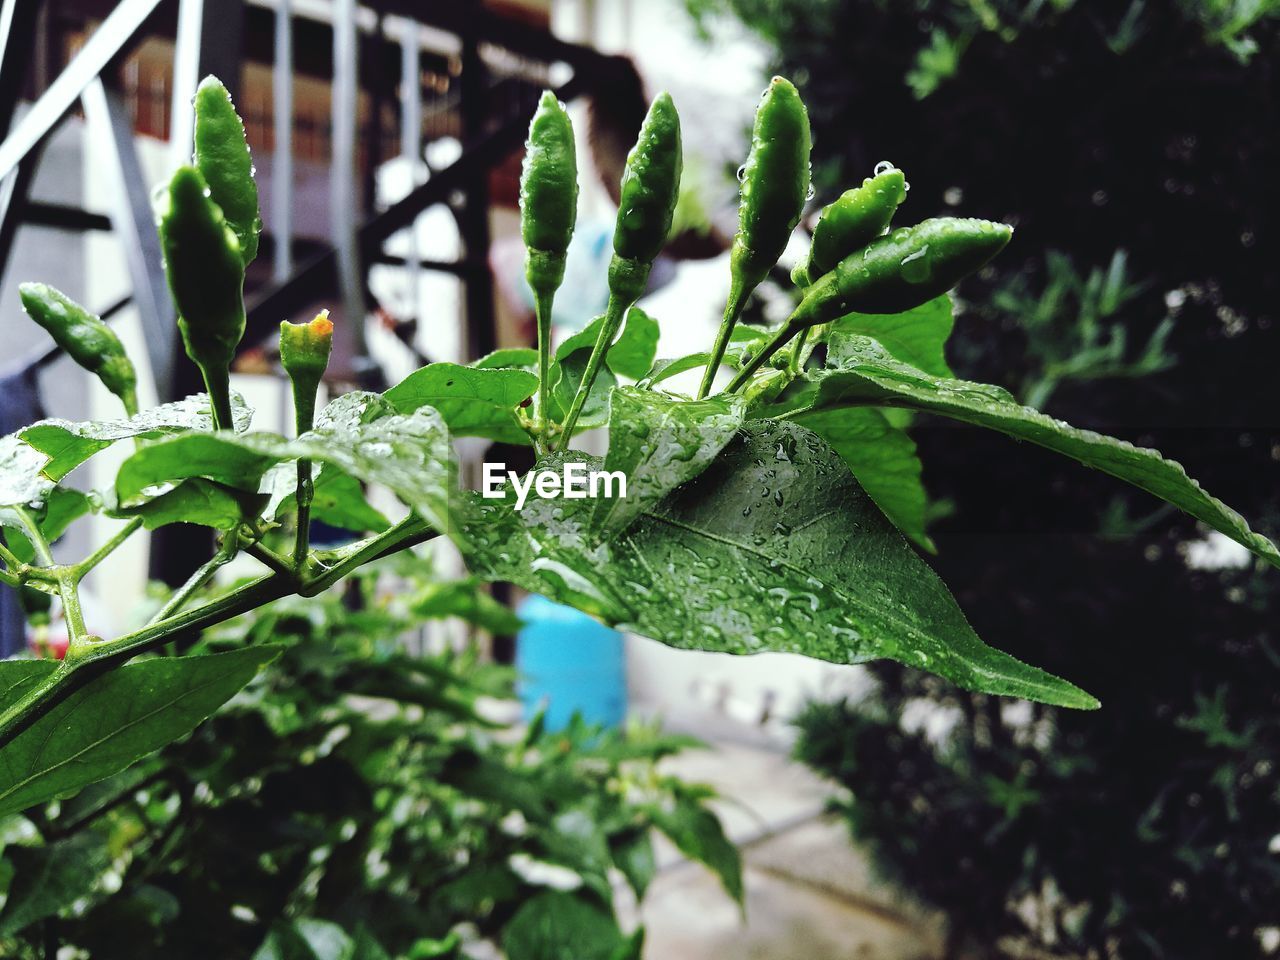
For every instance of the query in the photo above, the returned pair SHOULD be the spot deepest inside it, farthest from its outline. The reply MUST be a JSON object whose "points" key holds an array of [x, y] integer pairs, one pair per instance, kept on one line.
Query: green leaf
{"points": [[475, 402], [199, 501], [718, 565], [517, 358], [68, 444], [633, 855], [21, 479], [882, 458], [659, 442], [410, 455], [666, 369], [62, 507], [466, 599], [561, 926], [631, 354], [697, 832], [566, 375], [113, 720], [915, 336], [51, 878], [868, 374]]}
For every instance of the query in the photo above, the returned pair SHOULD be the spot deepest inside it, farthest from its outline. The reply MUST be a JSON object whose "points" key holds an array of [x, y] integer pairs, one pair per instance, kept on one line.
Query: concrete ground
{"points": [[809, 894]]}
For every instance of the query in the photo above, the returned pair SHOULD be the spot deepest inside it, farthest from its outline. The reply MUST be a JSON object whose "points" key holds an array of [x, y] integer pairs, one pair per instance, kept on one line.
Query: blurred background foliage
{"points": [[378, 804], [1134, 146]]}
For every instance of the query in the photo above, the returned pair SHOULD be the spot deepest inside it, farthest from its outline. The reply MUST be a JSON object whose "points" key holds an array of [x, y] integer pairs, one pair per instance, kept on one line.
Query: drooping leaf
{"points": [[868, 374], [49, 879], [774, 547], [915, 336], [113, 720], [465, 599], [666, 369], [697, 832], [633, 855], [408, 454], [566, 376], [659, 442], [884, 461], [561, 926], [67, 444], [475, 402]]}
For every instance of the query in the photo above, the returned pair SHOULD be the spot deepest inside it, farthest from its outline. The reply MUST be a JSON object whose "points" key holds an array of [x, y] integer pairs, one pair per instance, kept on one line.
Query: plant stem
{"points": [[796, 349], [613, 315], [10, 579], [130, 401], [32, 530], [69, 591], [219, 403], [197, 580], [780, 340], [732, 310], [11, 560], [304, 416], [96, 657], [542, 315], [88, 563]]}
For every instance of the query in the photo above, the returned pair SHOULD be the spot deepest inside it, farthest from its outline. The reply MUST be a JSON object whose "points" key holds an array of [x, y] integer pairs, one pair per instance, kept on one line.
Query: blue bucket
{"points": [[569, 663]]}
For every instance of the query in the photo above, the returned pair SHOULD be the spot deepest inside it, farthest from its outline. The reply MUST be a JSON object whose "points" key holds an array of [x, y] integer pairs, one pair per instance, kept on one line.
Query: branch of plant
{"points": [[732, 310], [95, 657], [197, 581], [613, 315], [542, 317], [780, 339], [124, 533]]}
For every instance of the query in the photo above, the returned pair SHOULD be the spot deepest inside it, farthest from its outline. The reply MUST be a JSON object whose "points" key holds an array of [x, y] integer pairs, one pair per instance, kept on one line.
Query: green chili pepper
{"points": [[222, 157], [650, 187], [548, 210], [856, 218], [775, 188], [206, 276], [894, 273], [85, 338], [304, 354]]}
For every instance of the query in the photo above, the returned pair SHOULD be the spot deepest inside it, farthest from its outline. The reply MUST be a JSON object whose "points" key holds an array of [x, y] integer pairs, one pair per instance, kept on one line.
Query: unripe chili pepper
{"points": [[548, 211], [222, 157], [206, 276], [650, 187], [775, 188], [852, 221], [85, 338], [904, 269], [894, 273], [304, 354]]}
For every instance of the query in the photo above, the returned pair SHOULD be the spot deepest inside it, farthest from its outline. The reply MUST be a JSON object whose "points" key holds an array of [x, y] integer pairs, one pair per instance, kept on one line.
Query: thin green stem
{"points": [[796, 350], [270, 559], [304, 416], [780, 340], [69, 591], [11, 560], [88, 563], [130, 401], [542, 303], [219, 400], [10, 579], [34, 534], [613, 315], [732, 310], [226, 550], [96, 657]]}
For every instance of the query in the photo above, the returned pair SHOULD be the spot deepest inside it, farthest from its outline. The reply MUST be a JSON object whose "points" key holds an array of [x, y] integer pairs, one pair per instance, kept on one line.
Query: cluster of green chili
{"points": [[209, 225], [854, 262]]}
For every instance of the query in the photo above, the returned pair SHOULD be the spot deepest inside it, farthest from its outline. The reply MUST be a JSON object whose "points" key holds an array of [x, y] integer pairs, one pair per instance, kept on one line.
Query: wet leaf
{"points": [[659, 442], [869, 375], [884, 461], [475, 402], [915, 336], [774, 547]]}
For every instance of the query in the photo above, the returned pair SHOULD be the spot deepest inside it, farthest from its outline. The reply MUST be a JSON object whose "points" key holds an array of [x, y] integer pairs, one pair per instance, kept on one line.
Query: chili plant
{"points": [[774, 514]]}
